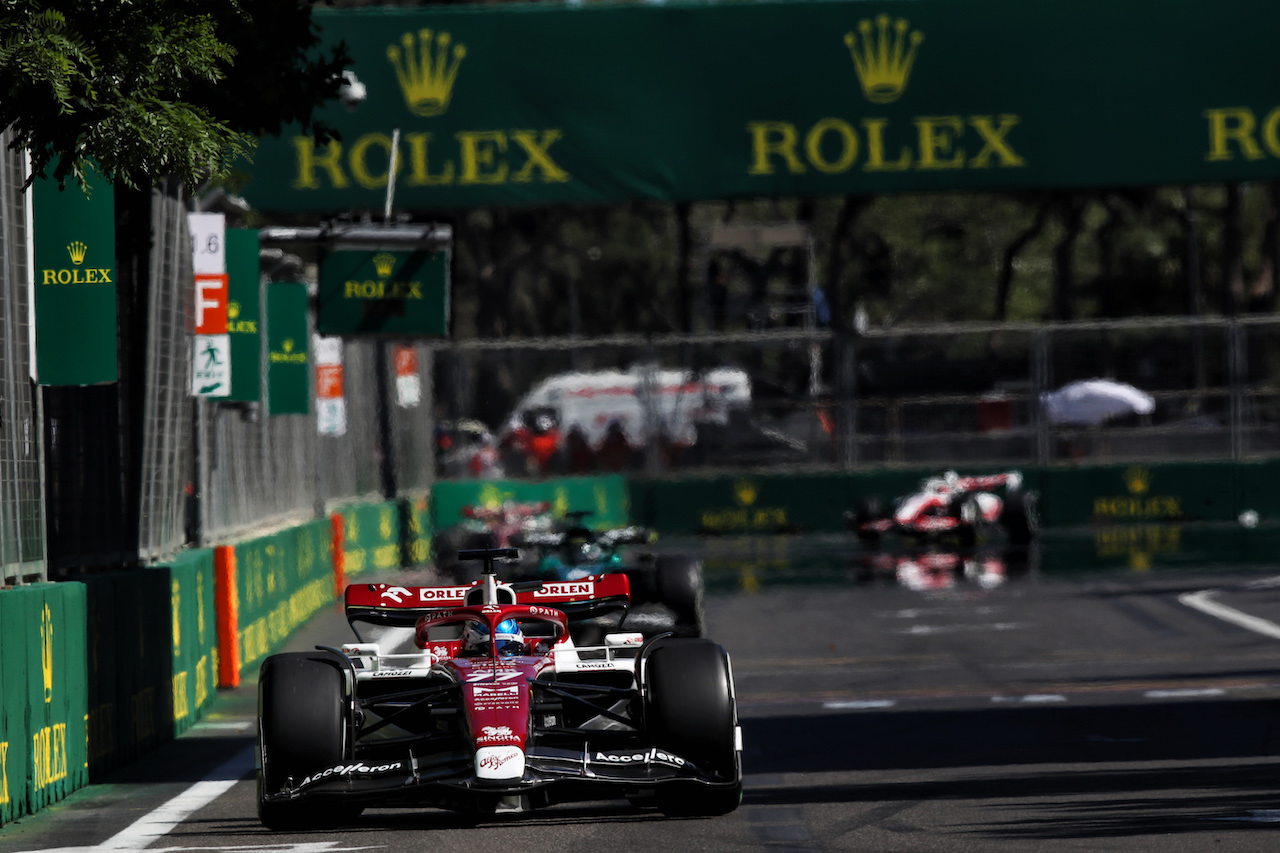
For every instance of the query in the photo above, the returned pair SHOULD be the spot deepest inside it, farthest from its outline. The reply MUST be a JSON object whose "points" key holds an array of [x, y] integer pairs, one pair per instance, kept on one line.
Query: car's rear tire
{"points": [[1018, 517], [866, 511], [679, 582], [964, 508], [302, 722], [689, 711]]}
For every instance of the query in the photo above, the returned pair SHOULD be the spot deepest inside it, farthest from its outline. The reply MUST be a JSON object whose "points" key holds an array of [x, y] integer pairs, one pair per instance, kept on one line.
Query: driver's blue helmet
{"points": [[509, 638]]}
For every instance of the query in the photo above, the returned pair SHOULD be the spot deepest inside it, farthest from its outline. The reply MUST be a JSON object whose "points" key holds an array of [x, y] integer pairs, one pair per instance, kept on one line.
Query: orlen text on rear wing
{"points": [[387, 604]]}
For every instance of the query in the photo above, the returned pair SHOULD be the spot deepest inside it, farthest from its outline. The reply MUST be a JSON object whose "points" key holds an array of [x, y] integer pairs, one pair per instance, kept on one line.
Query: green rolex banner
{"points": [[244, 315], [384, 292], [75, 283], [557, 103], [288, 347]]}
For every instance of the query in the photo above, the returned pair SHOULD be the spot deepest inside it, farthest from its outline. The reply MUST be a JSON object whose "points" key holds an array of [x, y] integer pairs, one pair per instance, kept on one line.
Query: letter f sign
{"points": [[211, 303]]}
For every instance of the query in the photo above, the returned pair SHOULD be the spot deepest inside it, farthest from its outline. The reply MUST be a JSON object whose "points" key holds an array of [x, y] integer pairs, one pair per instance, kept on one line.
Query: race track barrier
{"points": [[1167, 493], [267, 587], [371, 537], [415, 514], [43, 700], [606, 497]]}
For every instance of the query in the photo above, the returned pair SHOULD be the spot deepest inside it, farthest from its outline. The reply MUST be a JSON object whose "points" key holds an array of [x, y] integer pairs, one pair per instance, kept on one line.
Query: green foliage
{"points": [[144, 89], [898, 260]]}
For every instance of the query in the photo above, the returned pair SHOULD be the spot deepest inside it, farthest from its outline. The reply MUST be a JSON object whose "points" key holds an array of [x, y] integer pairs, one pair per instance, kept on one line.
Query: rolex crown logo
{"points": [[287, 346], [46, 652], [745, 491], [233, 310], [426, 72], [384, 263], [77, 251], [883, 57], [1137, 479]]}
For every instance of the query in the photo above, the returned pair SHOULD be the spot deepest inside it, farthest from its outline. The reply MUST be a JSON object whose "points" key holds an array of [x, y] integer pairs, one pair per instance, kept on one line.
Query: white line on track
{"points": [[162, 820], [924, 630], [159, 822], [1203, 601], [860, 705], [1185, 693], [1032, 699]]}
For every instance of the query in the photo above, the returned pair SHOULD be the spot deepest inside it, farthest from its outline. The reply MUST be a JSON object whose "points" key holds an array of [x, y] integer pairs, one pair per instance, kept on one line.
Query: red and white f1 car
{"points": [[951, 507], [405, 717]]}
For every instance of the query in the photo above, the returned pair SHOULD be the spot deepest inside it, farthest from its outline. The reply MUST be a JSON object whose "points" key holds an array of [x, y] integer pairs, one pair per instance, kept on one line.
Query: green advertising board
{"points": [[371, 537], [288, 348], [282, 579], [42, 696], [605, 497], [75, 283], [384, 292], [244, 315], [528, 104]]}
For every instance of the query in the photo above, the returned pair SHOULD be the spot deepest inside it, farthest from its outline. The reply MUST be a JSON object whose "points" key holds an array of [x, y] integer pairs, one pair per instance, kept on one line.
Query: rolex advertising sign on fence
{"points": [[531, 104], [384, 292], [244, 314], [75, 283], [288, 345]]}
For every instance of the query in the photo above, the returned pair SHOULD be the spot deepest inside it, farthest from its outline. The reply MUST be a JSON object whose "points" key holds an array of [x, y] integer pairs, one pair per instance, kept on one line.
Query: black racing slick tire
{"points": [[679, 583], [690, 711], [866, 511], [965, 509], [302, 729], [1018, 517]]}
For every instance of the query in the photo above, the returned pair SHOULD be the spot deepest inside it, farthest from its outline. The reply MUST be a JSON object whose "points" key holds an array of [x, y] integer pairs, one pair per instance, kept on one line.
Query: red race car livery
{"points": [[414, 714]]}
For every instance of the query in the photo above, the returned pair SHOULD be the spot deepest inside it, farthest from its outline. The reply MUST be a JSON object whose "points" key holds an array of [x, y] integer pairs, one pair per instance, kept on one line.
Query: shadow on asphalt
{"points": [[896, 740]]}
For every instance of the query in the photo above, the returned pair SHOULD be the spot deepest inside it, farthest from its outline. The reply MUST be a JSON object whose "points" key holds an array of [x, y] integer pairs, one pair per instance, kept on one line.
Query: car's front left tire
{"points": [[302, 721], [689, 711]]}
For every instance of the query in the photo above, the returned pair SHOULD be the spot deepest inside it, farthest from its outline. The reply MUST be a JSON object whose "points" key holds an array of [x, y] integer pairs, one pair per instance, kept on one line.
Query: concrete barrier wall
{"points": [[43, 696], [96, 673], [416, 513], [607, 497], [371, 536], [1168, 493]]}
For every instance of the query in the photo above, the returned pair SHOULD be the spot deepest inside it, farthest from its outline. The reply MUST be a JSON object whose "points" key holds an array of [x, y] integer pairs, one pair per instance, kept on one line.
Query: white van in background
{"points": [[643, 401]]}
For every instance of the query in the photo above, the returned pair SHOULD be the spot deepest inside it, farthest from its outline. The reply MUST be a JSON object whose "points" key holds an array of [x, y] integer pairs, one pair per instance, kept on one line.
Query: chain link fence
{"points": [[166, 463], [22, 529], [948, 395]]}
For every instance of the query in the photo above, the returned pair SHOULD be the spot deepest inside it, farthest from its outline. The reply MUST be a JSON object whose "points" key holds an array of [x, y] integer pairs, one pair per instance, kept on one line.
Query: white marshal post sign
{"points": [[211, 353]]}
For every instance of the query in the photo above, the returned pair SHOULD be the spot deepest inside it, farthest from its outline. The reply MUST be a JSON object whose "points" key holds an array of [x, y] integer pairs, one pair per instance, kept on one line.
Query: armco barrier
{"points": [[43, 702], [606, 497]]}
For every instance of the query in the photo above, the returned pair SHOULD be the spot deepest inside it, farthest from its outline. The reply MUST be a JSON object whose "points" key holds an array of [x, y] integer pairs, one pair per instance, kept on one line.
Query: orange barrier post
{"points": [[339, 559], [227, 602]]}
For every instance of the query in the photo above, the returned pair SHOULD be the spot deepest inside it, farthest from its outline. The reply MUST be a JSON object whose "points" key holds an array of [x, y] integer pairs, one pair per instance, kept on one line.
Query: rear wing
{"points": [[388, 604]]}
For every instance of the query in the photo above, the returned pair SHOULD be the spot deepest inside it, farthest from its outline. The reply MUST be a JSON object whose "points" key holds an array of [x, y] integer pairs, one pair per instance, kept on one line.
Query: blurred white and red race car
{"points": [[952, 508], [421, 711]]}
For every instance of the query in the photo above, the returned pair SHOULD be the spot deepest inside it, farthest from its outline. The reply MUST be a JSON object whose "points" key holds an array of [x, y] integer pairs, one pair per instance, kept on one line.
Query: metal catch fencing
{"points": [[166, 461], [265, 470], [947, 395], [22, 528]]}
